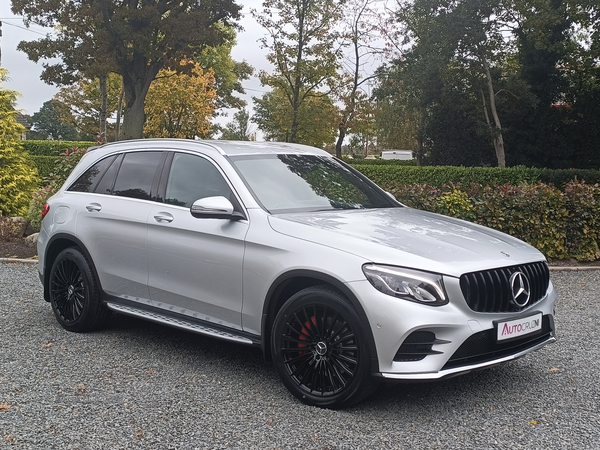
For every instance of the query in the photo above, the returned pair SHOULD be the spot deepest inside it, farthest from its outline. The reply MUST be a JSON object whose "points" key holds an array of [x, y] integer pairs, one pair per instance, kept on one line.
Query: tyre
{"points": [[320, 351], [75, 294]]}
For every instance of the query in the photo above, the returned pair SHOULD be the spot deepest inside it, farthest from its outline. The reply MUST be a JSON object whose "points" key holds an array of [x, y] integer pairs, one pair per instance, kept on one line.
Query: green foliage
{"points": [[315, 119], [36, 205], [537, 60], [583, 226], [84, 100], [54, 119], [456, 203], [228, 73], [62, 167], [535, 213], [561, 177], [379, 162], [303, 47], [390, 177], [51, 148], [44, 165], [18, 176], [134, 39], [560, 224], [239, 129]]}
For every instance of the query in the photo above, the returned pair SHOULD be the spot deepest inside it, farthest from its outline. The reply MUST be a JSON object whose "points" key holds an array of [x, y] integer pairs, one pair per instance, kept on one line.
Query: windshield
{"points": [[293, 183]]}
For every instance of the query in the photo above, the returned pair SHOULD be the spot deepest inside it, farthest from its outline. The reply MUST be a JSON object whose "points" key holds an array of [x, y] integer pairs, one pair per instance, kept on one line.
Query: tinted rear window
{"points": [[137, 174], [87, 181]]}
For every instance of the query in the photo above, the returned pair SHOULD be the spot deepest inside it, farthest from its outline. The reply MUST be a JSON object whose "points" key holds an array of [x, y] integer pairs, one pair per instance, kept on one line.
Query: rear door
{"points": [[112, 221]]}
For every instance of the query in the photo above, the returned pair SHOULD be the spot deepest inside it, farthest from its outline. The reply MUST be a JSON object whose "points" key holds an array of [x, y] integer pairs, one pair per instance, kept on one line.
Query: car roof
{"points": [[230, 148]]}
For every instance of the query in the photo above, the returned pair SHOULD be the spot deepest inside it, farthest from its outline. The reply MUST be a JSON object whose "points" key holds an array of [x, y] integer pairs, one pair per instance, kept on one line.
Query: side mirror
{"points": [[214, 208]]}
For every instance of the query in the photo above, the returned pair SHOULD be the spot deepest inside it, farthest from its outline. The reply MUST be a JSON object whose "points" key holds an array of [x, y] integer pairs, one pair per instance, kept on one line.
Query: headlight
{"points": [[408, 284]]}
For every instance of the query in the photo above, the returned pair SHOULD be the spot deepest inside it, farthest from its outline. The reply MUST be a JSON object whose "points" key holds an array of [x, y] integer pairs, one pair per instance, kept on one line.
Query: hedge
{"points": [[51, 148], [390, 176], [560, 224], [380, 162], [45, 165]]}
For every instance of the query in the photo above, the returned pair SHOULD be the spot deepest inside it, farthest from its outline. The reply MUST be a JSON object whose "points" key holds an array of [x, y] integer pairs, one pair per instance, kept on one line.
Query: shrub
{"points": [[457, 204], [390, 177], [44, 165], [63, 166], [51, 148], [381, 162], [18, 180], [36, 205], [18, 177], [534, 213], [562, 177], [583, 226]]}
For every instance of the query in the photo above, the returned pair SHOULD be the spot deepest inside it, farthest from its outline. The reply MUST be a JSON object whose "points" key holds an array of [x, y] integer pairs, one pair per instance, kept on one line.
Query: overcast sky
{"points": [[25, 74]]}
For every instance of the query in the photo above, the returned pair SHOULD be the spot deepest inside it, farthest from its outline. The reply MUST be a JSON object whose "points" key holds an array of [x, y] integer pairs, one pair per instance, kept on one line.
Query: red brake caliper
{"points": [[304, 336]]}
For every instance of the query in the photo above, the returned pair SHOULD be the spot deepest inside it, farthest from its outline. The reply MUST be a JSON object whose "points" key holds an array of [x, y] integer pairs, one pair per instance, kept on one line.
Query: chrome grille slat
{"points": [[490, 291]]}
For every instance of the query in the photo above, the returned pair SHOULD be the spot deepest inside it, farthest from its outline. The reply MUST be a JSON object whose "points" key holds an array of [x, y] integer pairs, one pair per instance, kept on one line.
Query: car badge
{"points": [[519, 286]]}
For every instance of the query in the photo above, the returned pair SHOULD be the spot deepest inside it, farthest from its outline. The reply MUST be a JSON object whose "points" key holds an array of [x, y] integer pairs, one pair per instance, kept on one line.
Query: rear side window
{"points": [[107, 181], [88, 180], [137, 174]]}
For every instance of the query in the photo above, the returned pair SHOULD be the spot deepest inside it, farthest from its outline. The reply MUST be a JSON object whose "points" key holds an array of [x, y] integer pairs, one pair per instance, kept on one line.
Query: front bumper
{"points": [[463, 340]]}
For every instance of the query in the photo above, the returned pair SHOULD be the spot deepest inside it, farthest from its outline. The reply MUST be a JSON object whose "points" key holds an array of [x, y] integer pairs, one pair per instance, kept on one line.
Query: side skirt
{"points": [[181, 322]]}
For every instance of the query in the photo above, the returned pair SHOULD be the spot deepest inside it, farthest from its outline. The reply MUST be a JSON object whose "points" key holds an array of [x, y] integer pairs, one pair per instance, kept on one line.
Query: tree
{"points": [[304, 49], [84, 100], [181, 105], [18, 177], [132, 38], [315, 121], [362, 21], [55, 120], [228, 73], [240, 129]]}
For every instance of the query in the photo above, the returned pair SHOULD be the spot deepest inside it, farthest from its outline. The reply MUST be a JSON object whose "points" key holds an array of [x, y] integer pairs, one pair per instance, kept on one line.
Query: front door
{"points": [[195, 265]]}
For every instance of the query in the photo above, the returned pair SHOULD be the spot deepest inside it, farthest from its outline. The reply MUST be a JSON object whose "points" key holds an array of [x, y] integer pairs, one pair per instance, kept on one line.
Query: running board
{"points": [[180, 323]]}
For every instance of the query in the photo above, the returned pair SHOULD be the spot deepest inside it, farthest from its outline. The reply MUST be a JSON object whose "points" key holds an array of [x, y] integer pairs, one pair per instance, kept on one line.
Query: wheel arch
{"points": [[294, 281], [57, 244]]}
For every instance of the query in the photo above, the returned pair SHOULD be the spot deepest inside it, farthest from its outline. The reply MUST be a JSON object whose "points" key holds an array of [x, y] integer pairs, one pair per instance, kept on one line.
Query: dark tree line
{"points": [[478, 73]]}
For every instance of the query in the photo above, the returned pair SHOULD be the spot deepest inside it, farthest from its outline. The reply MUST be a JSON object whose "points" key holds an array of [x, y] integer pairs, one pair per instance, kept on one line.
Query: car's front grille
{"points": [[490, 290], [482, 347]]}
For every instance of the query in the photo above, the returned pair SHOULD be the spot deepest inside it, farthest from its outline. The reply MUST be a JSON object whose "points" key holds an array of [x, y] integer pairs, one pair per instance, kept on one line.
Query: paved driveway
{"points": [[138, 385]]}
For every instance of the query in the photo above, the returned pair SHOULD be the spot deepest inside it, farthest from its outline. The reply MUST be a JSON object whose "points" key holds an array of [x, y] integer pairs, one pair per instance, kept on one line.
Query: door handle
{"points": [[94, 207], [163, 217]]}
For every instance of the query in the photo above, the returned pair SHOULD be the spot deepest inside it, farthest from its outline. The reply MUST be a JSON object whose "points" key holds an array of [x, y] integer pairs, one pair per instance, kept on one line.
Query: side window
{"points": [[193, 177], [87, 181], [106, 183], [136, 175]]}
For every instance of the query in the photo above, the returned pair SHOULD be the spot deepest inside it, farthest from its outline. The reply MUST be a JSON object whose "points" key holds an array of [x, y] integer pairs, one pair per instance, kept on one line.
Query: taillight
{"points": [[45, 210]]}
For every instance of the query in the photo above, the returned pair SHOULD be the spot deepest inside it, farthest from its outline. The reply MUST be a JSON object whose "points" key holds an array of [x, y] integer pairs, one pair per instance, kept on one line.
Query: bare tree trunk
{"points": [[497, 131], [340, 140], [119, 109], [103, 107]]}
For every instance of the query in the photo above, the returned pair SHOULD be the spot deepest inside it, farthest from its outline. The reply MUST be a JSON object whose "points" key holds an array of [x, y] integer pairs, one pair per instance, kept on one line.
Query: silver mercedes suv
{"points": [[284, 247]]}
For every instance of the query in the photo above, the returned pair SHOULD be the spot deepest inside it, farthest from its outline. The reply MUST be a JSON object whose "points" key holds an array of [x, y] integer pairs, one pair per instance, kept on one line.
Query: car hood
{"points": [[408, 237]]}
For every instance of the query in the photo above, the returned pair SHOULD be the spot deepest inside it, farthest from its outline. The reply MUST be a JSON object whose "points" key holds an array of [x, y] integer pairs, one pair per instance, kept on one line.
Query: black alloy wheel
{"points": [[320, 351], [74, 293]]}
